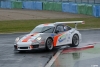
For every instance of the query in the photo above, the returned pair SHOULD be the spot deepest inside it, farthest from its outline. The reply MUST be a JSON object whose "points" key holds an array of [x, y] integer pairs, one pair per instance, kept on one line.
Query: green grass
{"points": [[28, 25]]}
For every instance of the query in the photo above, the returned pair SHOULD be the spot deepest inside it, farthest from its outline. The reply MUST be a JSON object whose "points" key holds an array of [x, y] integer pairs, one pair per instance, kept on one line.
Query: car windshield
{"points": [[46, 29]]}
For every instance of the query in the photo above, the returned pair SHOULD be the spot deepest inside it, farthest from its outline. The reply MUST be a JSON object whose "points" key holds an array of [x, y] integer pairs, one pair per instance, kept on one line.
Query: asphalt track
{"points": [[36, 58]]}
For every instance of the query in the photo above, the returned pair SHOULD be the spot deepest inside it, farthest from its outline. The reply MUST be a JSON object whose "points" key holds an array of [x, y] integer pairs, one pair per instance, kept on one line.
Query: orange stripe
{"points": [[56, 39], [28, 37]]}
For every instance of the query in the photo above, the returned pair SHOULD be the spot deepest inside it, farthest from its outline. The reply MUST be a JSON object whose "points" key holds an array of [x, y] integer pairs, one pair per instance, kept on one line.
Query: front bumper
{"points": [[30, 47]]}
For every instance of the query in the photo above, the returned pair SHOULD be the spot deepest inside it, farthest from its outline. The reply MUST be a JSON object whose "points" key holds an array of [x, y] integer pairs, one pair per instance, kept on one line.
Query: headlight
{"points": [[39, 38], [17, 39]]}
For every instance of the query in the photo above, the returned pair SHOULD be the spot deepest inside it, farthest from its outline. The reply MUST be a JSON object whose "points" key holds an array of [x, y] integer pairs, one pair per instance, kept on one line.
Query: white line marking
{"points": [[58, 53], [55, 57]]}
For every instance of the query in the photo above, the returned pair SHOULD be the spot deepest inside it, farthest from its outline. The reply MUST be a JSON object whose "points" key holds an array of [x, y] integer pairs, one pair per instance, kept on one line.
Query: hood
{"points": [[30, 37]]}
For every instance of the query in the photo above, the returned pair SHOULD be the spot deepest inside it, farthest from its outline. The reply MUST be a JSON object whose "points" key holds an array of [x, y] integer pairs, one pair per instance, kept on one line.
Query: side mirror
{"points": [[57, 31]]}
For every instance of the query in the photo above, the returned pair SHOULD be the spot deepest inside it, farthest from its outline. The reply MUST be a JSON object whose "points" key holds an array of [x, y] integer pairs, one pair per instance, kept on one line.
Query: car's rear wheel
{"points": [[49, 44], [75, 41]]}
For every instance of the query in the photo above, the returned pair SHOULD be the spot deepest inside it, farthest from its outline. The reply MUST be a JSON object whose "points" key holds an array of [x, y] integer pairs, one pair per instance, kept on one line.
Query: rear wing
{"points": [[71, 22]]}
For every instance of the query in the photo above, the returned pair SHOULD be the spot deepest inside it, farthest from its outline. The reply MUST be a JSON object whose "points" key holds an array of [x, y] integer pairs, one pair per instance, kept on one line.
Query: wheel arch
{"points": [[72, 44], [76, 34], [46, 41], [50, 38], [73, 35]]}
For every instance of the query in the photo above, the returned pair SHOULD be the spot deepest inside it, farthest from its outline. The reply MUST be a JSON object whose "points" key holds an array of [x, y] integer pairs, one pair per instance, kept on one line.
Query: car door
{"points": [[61, 36]]}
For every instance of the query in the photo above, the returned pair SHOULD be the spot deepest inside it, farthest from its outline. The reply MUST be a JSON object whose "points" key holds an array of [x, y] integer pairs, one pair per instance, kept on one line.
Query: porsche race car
{"points": [[48, 36]]}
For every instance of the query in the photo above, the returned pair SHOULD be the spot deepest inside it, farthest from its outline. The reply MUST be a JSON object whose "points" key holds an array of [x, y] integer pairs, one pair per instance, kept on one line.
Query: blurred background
{"points": [[76, 1]]}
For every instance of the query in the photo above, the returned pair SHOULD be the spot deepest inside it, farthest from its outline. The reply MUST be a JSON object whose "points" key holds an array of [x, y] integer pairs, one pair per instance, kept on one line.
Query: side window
{"points": [[60, 28], [66, 28], [69, 28]]}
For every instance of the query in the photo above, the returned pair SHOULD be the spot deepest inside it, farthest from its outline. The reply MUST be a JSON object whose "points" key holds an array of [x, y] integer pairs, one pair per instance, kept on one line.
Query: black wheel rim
{"points": [[49, 44], [75, 40]]}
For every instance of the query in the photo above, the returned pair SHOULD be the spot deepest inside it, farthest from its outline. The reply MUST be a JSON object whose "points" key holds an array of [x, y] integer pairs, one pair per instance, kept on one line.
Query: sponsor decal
{"points": [[62, 38], [69, 37], [52, 35]]}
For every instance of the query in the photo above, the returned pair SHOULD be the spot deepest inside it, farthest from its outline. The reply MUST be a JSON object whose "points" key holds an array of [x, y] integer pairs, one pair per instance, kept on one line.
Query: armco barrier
{"points": [[96, 10], [17, 4], [65, 7], [6, 4], [89, 9], [38, 5], [29, 5]]}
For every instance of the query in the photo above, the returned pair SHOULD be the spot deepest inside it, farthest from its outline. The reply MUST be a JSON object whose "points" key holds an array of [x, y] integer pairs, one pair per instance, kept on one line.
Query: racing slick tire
{"points": [[75, 41], [49, 44]]}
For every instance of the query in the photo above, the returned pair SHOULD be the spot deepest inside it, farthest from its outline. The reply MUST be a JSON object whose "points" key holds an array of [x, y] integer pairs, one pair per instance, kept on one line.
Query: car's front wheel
{"points": [[75, 41], [49, 44]]}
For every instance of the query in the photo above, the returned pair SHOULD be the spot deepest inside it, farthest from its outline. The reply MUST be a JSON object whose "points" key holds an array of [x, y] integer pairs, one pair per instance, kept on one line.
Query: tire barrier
{"points": [[53, 6], [38, 5], [71, 7], [58, 6], [89, 9], [45, 5], [17, 4], [48, 6], [96, 10], [29, 5], [82, 8], [32, 5], [65, 7], [6, 4], [85, 9]]}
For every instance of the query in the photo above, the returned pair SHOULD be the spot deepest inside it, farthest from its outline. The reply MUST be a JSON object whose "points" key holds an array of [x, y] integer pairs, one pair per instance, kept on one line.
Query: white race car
{"points": [[49, 36]]}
